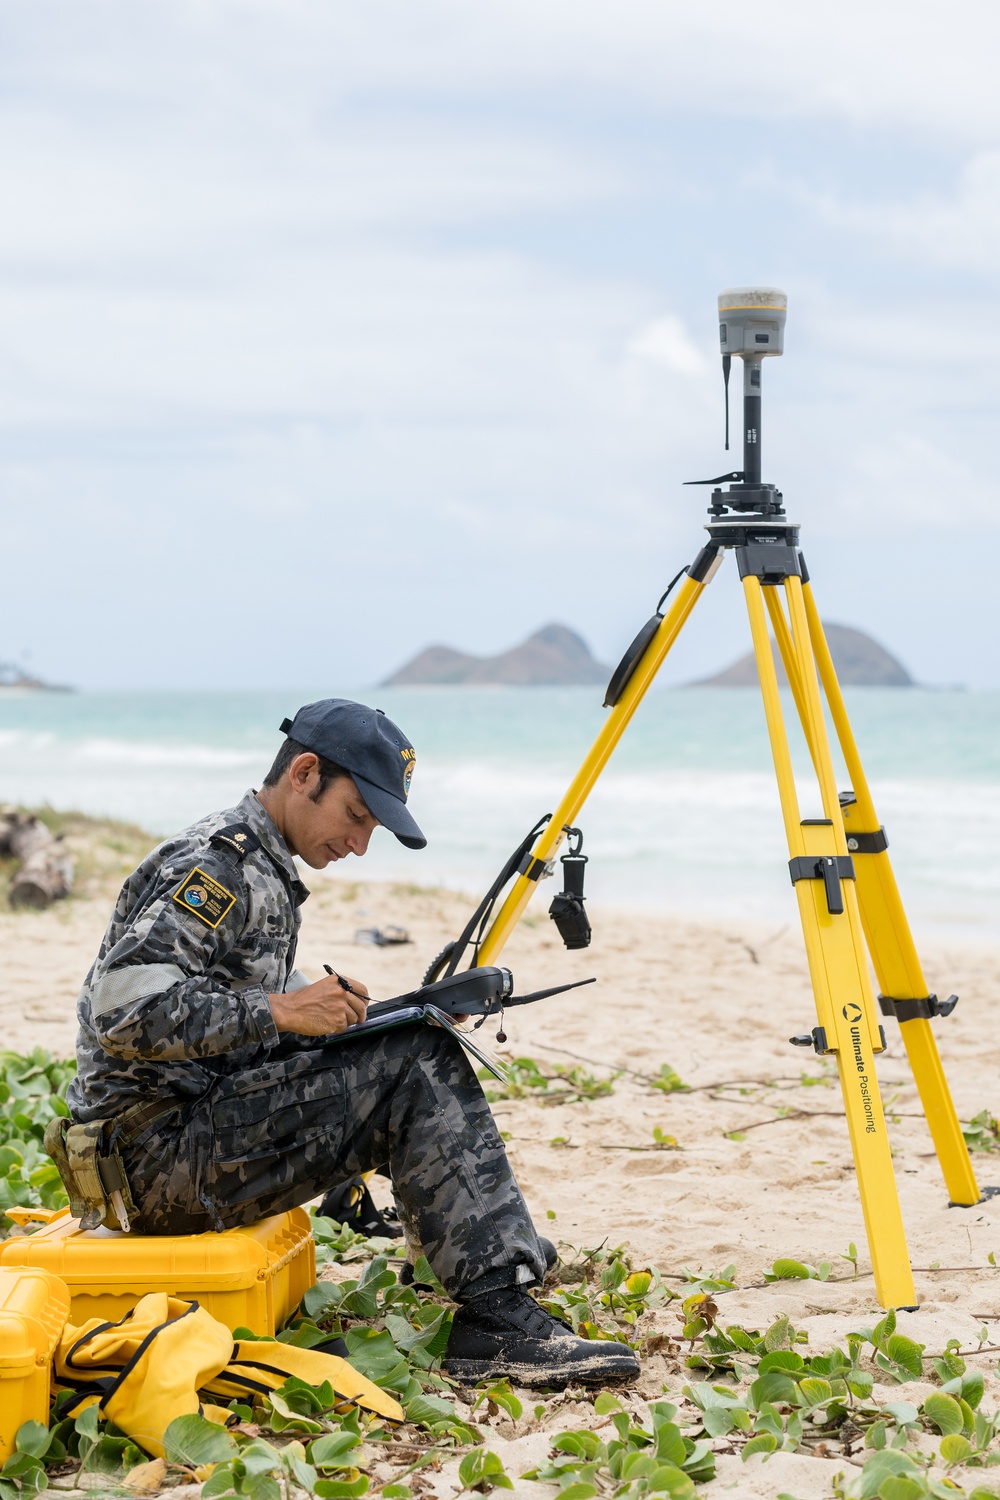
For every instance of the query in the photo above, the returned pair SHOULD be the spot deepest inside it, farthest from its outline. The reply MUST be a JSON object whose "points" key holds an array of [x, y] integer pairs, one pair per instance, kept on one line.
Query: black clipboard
{"points": [[426, 1015]]}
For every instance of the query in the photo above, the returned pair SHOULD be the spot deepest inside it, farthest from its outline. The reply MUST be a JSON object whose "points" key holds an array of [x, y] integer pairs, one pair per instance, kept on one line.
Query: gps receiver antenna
{"points": [[751, 325]]}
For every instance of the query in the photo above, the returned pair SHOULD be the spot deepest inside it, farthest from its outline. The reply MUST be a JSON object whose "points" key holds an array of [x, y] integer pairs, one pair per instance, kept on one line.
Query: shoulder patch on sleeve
{"points": [[204, 898], [238, 837]]}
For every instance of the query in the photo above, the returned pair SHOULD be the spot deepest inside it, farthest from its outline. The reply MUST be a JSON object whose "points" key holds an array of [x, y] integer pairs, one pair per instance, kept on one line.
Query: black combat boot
{"points": [[505, 1332]]}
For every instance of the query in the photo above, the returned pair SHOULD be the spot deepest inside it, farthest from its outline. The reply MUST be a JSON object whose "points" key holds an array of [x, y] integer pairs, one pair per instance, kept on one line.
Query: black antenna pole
{"points": [[751, 421]]}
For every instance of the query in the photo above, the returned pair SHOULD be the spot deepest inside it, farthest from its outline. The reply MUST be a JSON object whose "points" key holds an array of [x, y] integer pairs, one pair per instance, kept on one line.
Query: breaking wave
{"points": [[685, 818]]}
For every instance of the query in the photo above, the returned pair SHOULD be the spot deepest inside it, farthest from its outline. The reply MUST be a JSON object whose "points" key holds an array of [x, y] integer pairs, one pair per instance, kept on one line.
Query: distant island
{"points": [[860, 662], [14, 679], [554, 656]]}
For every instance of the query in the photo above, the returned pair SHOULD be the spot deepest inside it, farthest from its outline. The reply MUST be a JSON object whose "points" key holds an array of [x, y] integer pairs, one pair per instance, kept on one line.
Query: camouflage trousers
{"points": [[306, 1118]]}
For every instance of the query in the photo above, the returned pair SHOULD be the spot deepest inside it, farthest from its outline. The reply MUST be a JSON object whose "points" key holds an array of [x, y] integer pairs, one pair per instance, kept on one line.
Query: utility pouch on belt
{"points": [[92, 1173]]}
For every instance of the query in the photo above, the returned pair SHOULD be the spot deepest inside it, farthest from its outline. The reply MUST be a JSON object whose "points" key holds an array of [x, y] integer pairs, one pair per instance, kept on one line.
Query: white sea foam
{"points": [[686, 817], [139, 753]]}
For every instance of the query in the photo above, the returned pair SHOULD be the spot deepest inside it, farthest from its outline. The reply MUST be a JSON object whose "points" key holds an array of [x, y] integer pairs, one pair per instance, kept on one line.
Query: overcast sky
{"points": [[329, 330]]}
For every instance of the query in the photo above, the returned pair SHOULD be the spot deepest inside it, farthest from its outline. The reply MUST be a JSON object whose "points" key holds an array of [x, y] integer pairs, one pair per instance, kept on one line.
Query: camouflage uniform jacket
{"points": [[172, 1001]]}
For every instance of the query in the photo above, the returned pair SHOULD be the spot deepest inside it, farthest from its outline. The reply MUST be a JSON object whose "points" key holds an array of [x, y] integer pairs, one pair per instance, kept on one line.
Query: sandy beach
{"points": [[717, 1005]]}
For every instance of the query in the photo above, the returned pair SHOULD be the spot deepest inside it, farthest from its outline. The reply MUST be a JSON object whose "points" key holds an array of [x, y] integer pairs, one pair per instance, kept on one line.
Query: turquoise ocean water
{"points": [[685, 818]]}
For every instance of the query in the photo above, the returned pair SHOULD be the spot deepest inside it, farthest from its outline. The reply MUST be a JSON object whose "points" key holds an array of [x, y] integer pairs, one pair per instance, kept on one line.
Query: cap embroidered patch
{"points": [[204, 898], [373, 749]]}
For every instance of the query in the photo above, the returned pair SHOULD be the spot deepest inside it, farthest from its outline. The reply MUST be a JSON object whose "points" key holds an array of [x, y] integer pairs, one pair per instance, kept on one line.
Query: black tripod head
{"points": [[752, 327]]}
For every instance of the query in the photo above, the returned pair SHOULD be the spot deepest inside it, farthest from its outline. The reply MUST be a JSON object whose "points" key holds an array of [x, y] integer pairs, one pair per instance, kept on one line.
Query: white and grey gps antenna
{"points": [[752, 326]]}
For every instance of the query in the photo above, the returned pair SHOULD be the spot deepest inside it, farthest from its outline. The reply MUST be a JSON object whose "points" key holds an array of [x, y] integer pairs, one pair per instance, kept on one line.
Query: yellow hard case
{"points": [[253, 1277], [34, 1306]]}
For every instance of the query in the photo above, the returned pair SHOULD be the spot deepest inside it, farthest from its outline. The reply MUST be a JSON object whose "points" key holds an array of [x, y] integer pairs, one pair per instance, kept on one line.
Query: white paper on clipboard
{"points": [[435, 1017]]}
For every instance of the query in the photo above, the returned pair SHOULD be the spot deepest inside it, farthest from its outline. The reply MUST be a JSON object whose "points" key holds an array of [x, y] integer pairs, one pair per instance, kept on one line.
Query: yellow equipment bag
{"points": [[146, 1369], [149, 1367], [261, 1365]]}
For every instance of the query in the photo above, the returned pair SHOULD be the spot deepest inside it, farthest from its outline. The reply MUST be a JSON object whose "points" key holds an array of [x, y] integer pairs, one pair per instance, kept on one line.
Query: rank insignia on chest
{"points": [[204, 898]]}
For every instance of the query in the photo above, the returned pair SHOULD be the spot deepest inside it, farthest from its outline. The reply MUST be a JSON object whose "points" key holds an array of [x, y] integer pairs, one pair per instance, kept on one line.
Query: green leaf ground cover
{"points": [[528, 1079], [32, 1092], [749, 1393], [738, 1392]]}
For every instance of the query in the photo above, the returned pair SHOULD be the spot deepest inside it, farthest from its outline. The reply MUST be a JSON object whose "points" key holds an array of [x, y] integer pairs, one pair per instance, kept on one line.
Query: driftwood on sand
{"points": [[45, 873]]}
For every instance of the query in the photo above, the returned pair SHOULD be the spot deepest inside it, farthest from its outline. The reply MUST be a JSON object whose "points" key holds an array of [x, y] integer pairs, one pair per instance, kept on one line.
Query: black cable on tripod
{"points": [[450, 956], [670, 588], [448, 960]]}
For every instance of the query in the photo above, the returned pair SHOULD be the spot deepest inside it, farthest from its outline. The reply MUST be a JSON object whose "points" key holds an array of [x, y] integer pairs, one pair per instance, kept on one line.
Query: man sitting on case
{"points": [[201, 1048]]}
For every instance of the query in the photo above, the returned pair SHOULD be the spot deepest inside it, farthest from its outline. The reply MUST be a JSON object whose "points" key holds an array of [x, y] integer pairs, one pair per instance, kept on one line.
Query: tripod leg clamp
{"points": [[831, 869], [867, 843], [922, 1009], [816, 1039]]}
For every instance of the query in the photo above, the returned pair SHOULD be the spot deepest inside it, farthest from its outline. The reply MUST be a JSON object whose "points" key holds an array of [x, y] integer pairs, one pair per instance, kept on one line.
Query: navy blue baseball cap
{"points": [[376, 752]]}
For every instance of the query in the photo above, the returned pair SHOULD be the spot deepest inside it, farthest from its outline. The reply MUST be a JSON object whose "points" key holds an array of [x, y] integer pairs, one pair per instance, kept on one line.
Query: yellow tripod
{"points": [[846, 889]]}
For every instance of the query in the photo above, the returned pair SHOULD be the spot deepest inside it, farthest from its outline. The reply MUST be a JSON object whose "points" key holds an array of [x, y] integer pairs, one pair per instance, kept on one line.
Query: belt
{"points": [[138, 1118]]}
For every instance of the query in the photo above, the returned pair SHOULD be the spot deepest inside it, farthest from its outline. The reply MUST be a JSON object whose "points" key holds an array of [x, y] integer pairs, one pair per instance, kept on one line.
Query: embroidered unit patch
{"points": [[204, 898]]}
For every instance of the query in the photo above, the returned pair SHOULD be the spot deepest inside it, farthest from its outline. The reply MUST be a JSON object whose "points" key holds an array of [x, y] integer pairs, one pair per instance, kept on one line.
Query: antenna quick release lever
{"points": [[734, 476]]}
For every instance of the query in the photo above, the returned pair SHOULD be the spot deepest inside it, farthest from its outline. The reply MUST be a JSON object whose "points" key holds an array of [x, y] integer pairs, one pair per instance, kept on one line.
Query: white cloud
{"points": [[666, 342], [905, 474], [353, 269], [923, 65], [958, 230], [102, 199]]}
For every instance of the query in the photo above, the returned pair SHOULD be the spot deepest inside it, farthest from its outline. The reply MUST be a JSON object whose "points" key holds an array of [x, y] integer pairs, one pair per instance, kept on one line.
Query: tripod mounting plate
{"points": [[762, 499], [738, 532], [765, 549]]}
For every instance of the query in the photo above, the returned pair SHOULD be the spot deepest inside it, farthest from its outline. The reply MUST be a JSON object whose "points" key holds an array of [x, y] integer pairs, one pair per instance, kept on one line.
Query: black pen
{"points": [[344, 983]]}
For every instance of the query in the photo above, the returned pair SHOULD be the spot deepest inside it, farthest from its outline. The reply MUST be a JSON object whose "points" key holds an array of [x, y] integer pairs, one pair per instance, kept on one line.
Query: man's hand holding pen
{"points": [[325, 1008]]}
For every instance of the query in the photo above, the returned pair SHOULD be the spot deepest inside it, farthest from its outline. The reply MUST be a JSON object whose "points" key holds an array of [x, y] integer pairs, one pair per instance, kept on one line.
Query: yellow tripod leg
{"points": [[838, 967], [883, 916], [548, 841], [786, 648], [890, 942]]}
